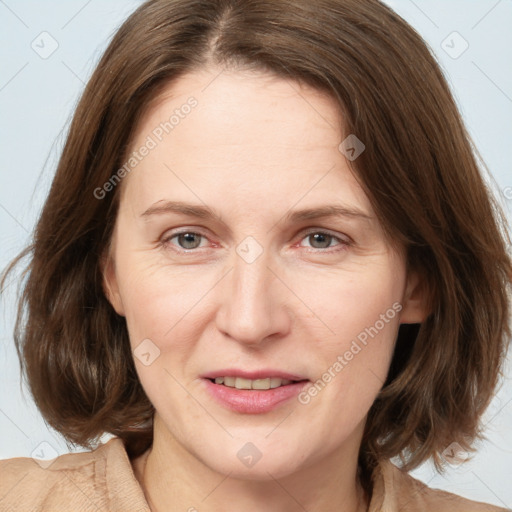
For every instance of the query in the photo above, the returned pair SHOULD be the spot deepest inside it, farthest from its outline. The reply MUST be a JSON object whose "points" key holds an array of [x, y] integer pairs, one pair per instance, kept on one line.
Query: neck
{"points": [[173, 479]]}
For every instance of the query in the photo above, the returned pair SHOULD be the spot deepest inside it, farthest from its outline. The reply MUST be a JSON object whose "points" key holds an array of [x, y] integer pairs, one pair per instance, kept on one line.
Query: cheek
{"points": [[360, 319], [171, 304], [160, 301], [165, 317], [348, 302]]}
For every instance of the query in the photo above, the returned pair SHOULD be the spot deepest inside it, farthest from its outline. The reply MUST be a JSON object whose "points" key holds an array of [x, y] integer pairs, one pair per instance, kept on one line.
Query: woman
{"points": [[267, 265]]}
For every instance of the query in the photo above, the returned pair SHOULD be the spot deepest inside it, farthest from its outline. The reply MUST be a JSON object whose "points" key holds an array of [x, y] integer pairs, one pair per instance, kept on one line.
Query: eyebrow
{"points": [[205, 212]]}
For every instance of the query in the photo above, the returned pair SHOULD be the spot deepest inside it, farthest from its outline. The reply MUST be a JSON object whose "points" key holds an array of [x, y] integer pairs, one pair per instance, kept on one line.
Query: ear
{"points": [[415, 301], [110, 285]]}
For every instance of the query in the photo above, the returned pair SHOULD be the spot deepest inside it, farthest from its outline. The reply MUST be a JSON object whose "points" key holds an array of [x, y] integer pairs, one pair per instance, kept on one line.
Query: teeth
{"points": [[240, 383], [229, 381]]}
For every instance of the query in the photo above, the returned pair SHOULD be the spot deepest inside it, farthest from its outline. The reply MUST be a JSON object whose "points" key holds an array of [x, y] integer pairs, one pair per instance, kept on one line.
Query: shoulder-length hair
{"points": [[419, 171]]}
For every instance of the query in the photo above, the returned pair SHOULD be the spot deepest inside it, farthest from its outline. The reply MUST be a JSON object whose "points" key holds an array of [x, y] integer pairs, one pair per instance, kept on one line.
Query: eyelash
{"points": [[343, 244]]}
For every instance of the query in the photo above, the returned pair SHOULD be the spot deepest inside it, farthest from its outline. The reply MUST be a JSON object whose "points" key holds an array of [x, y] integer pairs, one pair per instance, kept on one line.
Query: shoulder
{"points": [[399, 491], [75, 481]]}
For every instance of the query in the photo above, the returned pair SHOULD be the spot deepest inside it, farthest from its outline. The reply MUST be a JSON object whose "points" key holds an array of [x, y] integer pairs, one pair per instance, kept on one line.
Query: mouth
{"points": [[252, 393], [254, 384]]}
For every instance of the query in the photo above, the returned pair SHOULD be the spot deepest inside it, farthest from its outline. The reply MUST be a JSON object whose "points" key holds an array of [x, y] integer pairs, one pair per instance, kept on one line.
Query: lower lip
{"points": [[253, 401]]}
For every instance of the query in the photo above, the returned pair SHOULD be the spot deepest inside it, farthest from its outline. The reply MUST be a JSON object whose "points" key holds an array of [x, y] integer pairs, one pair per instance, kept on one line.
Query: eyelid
{"points": [[344, 240], [168, 235], [340, 236]]}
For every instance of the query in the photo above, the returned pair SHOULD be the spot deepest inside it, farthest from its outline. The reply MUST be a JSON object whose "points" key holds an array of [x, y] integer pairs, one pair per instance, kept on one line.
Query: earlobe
{"points": [[110, 286], [415, 301]]}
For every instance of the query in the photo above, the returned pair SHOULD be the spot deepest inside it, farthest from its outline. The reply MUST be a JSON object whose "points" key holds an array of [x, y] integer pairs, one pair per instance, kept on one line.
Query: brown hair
{"points": [[419, 171]]}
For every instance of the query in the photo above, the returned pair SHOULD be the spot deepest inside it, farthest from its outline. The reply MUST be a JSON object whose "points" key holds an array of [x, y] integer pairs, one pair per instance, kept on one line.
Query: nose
{"points": [[253, 303]]}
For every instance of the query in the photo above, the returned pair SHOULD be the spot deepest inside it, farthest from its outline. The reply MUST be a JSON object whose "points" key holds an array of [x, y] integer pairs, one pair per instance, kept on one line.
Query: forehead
{"points": [[254, 135], [235, 105]]}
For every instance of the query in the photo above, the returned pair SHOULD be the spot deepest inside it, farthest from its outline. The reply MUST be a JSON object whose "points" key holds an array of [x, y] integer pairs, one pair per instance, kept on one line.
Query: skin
{"points": [[254, 148]]}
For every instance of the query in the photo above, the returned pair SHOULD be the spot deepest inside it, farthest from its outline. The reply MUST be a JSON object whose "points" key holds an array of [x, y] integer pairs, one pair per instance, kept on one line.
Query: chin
{"points": [[262, 470], [243, 459]]}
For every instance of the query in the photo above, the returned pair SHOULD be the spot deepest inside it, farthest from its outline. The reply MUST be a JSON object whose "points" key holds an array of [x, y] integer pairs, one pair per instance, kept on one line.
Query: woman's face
{"points": [[245, 277]]}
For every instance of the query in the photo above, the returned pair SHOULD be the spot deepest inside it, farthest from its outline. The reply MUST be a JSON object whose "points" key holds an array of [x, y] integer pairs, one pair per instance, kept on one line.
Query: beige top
{"points": [[103, 480]]}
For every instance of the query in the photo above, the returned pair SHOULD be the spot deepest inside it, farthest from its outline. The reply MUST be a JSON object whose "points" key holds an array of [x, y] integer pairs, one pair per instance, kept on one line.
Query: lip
{"points": [[249, 401], [264, 373]]}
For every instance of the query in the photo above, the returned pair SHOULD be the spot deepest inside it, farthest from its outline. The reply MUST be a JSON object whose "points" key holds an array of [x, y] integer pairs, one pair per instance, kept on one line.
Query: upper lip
{"points": [[265, 373]]}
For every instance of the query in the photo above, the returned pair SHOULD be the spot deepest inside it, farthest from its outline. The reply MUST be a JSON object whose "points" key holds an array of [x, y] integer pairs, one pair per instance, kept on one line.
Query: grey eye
{"points": [[188, 240], [322, 239]]}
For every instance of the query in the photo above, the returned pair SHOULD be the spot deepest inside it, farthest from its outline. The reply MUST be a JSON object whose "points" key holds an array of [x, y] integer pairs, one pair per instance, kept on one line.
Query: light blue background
{"points": [[37, 98]]}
